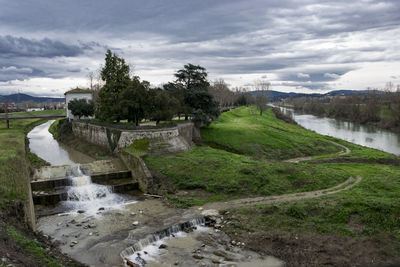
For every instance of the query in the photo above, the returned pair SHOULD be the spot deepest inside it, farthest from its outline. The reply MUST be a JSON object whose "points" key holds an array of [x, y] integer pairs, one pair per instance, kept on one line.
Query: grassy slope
{"points": [[371, 208], [14, 180], [223, 175], [244, 130], [227, 175], [14, 175]]}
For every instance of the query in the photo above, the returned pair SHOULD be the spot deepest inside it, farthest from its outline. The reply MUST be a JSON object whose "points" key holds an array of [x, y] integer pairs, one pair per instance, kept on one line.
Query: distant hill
{"points": [[19, 98], [276, 95]]}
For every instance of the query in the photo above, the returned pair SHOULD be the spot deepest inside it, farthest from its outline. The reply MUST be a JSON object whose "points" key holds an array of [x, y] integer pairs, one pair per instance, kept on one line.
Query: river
{"points": [[102, 228], [42, 143], [365, 135]]}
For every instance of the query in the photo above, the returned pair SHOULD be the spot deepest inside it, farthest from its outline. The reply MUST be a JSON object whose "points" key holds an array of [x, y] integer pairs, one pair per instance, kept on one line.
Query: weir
{"points": [[82, 186], [132, 253]]}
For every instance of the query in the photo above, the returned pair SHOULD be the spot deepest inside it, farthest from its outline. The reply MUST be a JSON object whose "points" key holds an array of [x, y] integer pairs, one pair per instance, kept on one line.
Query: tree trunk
{"points": [[186, 117]]}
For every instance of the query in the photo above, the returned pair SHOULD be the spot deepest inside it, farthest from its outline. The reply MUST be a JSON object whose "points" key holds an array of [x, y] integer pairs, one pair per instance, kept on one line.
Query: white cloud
{"points": [[331, 75], [303, 75]]}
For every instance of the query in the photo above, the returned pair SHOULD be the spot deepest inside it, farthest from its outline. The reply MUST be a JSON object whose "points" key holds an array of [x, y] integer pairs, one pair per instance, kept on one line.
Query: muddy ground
{"points": [[13, 254], [319, 250]]}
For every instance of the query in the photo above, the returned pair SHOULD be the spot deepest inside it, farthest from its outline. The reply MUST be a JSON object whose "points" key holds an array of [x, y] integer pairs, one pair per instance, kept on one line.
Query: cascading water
{"points": [[86, 196], [133, 253]]}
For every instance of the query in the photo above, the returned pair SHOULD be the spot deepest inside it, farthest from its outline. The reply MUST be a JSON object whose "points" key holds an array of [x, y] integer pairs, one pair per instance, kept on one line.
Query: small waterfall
{"points": [[84, 195], [132, 252]]}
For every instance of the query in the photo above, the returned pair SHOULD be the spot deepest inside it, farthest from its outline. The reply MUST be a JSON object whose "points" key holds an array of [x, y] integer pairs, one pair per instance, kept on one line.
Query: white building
{"points": [[76, 93]]}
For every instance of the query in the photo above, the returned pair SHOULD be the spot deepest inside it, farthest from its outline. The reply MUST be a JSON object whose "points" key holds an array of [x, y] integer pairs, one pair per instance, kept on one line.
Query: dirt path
{"points": [[341, 153], [349, 183]]}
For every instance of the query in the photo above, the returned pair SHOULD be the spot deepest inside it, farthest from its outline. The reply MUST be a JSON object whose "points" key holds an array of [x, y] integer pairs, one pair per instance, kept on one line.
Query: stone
{"points": [[198, 257], [101, 208], [209, 213], [216, 261], [135, 223], [163, 246], [133, 214], [81, 211], [176, 263], [92, 225]]}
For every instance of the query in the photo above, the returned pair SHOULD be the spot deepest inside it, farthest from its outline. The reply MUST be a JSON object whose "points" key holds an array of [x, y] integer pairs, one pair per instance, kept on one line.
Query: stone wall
{"points": [[91, 133], [139, 170], [163, 140]]}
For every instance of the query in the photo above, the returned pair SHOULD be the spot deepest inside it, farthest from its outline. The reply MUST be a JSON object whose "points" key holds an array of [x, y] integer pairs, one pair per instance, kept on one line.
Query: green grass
{"points": [[227, 175], [15, 158], [32, 247], [245, 131], [371, 208], [53, 128]]}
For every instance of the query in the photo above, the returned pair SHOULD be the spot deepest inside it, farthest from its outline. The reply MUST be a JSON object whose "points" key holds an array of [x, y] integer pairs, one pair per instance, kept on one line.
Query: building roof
{"points": [[78, 91]]}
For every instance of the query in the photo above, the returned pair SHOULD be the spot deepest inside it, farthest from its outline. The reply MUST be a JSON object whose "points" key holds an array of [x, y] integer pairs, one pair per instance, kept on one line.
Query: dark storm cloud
{"points": [[11, 46], [240, 37]]}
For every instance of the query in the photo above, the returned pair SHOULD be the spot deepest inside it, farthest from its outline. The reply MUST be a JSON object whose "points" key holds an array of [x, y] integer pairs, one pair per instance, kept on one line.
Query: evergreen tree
{"points": [[115, 73], [193, 79]]}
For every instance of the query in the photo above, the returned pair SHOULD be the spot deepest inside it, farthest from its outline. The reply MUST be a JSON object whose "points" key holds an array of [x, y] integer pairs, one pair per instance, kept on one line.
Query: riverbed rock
{"points": [[163, 246], [198, 257], [216, 261], [81, 211], [135, 223], [101, 208]]}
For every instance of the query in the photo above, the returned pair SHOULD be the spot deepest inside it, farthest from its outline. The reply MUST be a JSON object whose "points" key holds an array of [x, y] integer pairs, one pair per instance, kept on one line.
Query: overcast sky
{"points": [[48, 47]]}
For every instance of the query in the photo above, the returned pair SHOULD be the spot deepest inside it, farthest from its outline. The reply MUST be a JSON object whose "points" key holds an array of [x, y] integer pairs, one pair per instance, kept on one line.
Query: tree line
{"points": [[122, 96]]}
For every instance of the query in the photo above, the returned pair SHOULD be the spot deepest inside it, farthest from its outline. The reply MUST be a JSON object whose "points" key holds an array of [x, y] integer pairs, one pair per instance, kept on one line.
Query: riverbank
{"points": [[358, 226], [19, 246]]}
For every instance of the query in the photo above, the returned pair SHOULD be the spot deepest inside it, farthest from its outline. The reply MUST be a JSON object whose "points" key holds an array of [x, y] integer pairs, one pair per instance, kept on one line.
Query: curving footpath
{"points": [[341, 153], [349, 183]]}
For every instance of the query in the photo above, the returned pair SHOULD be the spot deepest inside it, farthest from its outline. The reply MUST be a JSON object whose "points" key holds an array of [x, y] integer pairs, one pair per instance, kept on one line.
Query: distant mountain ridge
{"points": [[276, 95], [271, 94], [19, 98]]}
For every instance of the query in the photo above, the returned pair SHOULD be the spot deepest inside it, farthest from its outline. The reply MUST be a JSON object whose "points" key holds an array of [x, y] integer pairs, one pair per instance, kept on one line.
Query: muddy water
{"points": [[42, 143]]}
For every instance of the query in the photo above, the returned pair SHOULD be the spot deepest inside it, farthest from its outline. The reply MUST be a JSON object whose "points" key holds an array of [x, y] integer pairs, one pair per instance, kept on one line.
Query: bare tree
{"points": [[222, 94], [91, 79], [261, 100]]}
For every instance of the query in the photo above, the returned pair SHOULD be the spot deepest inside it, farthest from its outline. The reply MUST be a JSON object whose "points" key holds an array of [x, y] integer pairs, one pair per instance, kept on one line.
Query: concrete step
{"points": [[40, 185], [51, 196]]}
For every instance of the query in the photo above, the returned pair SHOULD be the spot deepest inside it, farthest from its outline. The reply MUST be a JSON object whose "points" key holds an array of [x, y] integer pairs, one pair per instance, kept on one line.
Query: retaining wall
{"points": [[174, 139]]}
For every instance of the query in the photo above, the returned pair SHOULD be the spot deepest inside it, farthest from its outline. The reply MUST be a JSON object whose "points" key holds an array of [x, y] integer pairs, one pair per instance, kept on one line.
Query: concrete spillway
{"points": [[82, 187]]}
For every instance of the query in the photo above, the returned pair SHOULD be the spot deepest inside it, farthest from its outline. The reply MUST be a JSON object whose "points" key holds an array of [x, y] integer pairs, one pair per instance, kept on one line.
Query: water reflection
{"points": [[365, 135], [42, 143]]}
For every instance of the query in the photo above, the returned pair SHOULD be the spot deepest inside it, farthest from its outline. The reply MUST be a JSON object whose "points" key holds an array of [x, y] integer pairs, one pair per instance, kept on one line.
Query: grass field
{"points": [[245, 131], [227, 175], [212, 174], [14, 172], [372, 208]]}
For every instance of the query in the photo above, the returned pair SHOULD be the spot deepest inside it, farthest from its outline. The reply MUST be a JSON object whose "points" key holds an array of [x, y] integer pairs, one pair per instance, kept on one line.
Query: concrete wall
{"points": [[91, 133], [138, 170], [164, 140]]}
